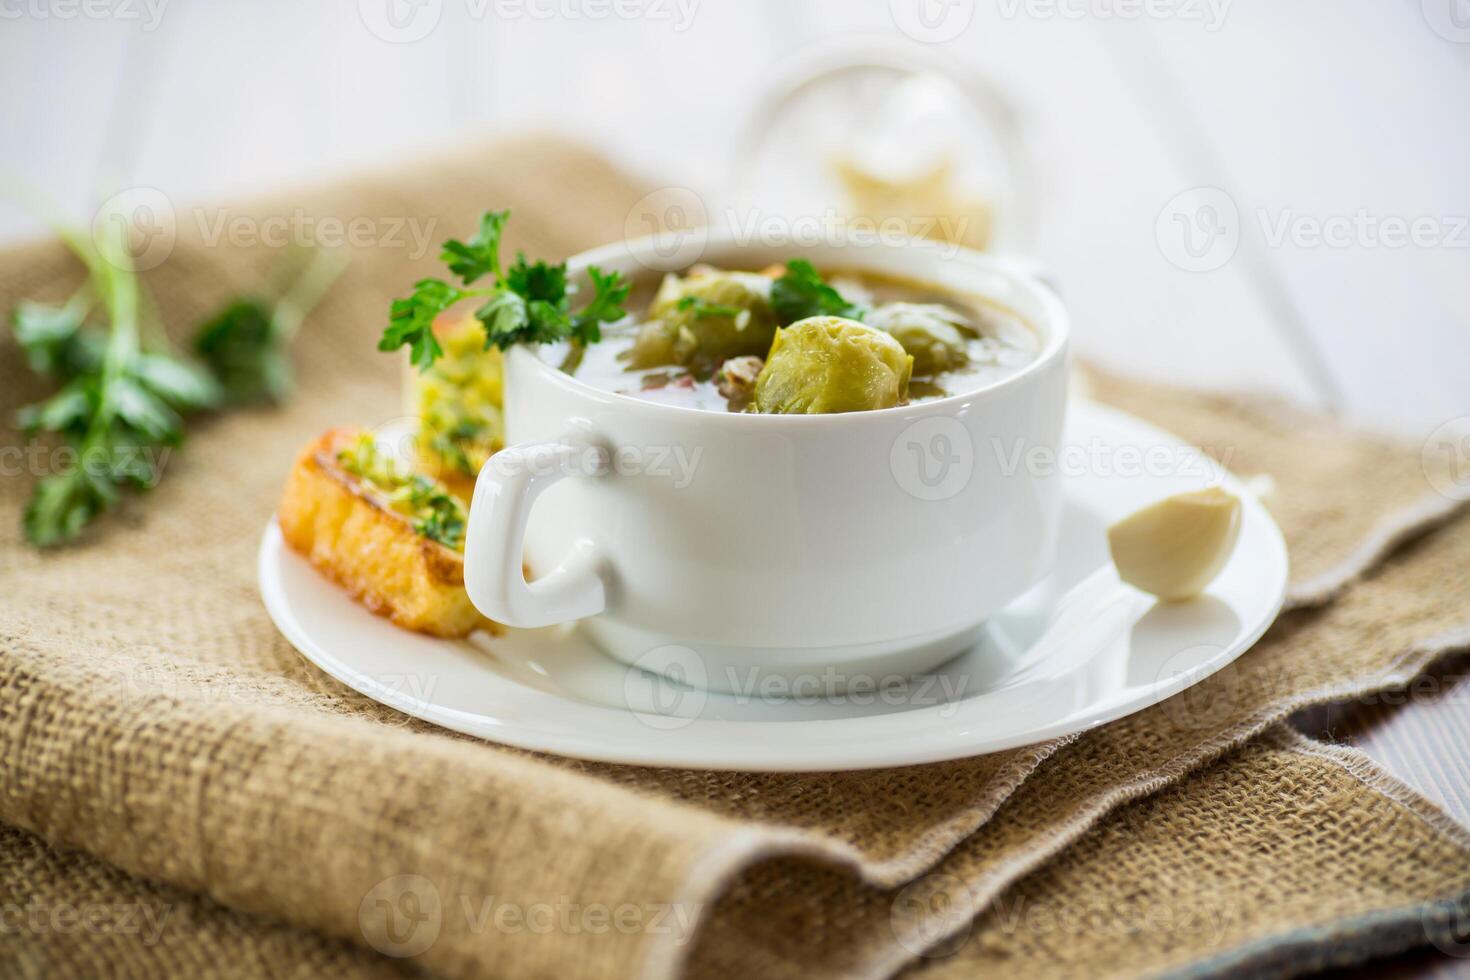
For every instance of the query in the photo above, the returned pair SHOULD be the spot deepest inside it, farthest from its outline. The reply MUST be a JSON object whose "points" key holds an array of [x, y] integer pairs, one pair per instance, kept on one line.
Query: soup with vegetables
{"points": [[788, 340]]}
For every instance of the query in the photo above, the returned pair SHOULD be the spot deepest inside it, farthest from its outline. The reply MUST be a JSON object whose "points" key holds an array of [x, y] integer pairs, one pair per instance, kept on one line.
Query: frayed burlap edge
{"points": [[1357, 939], [900, 952], [937, 843], [1395, 529]]}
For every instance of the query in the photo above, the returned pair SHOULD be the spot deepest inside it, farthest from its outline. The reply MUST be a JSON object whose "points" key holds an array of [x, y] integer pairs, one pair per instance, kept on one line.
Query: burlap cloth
{"points": [[164, 749]]}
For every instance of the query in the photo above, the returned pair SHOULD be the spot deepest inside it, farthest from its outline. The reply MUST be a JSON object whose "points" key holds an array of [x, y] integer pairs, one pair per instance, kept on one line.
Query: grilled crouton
{"points": [[391, 538]]}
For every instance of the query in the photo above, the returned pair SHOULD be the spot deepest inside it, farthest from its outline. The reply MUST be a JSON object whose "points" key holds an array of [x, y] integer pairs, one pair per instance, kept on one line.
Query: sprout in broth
{"points": [[828, 364]]}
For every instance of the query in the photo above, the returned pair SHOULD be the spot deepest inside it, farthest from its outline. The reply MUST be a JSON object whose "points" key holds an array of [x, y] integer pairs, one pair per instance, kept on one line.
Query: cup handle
{"points": [[494, 548]]}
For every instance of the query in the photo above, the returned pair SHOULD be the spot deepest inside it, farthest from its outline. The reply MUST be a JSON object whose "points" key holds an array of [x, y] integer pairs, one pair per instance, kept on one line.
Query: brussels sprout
{"points": [[660, 343], [704, 318], [827, 364], [930, 332]]}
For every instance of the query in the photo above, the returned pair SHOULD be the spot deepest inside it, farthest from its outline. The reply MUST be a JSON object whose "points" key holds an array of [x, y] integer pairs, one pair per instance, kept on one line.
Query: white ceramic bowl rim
{"points": [[1056, 327]]}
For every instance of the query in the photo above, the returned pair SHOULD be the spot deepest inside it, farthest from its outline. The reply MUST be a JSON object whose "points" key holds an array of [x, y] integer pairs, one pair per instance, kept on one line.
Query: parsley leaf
{"points": [[247, 344], [53, 339], [530, 302], [181, 384], [609, 291], [67, 412], [411, 320], [801, 292], [506, 319], [236, 343], [538, 280], [63, 504], [146, 412], [480, 256]]}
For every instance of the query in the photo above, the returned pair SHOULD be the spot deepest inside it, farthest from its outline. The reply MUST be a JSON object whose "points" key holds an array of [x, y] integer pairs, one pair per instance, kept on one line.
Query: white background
{"points": [[1301, 110]]}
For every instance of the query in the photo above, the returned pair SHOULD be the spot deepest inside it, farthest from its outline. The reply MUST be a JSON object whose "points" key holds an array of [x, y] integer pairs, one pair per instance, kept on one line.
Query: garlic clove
{"points": [[1174, 548]]}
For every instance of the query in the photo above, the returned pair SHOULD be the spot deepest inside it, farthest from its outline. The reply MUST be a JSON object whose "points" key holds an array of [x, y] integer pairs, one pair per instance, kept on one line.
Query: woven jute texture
{"points": [[1226, 872], [159, 738], [69, 915]]}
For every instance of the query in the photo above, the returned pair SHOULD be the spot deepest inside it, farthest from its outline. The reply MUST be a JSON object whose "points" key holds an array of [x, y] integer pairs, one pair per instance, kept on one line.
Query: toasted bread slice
{"points": [[345, 526], [458, 403]]}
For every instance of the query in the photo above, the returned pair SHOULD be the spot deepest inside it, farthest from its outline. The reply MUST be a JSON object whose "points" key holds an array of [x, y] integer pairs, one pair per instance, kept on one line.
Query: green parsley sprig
{"points": [[118, 408], [121, 400], [530, 302], [247, 344], [802, 292]]}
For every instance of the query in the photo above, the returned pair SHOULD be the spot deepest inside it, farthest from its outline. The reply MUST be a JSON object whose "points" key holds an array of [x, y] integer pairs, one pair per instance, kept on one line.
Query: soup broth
{"points": [[958, 344]]}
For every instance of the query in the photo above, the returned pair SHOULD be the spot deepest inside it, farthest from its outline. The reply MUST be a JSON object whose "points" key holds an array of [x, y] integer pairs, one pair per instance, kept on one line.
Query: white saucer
{"points": [[1079, 650]]}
